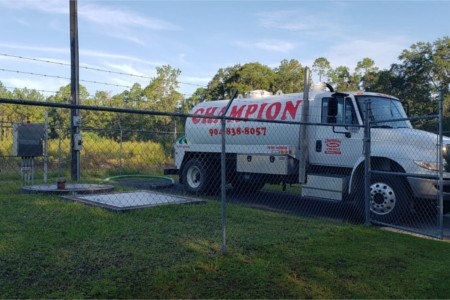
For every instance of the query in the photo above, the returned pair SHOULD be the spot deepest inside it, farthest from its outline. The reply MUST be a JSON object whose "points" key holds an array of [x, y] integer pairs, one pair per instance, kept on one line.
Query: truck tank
{"points": [[281, 107]]}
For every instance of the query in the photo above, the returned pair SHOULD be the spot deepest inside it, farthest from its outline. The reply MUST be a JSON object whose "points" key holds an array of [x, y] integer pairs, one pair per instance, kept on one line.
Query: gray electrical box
{"points": [[78, 142], [28, 139]]}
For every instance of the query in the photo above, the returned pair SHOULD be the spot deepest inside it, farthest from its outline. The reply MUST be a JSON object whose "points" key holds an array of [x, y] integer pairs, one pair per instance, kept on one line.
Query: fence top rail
{"points": [[160, 113]]}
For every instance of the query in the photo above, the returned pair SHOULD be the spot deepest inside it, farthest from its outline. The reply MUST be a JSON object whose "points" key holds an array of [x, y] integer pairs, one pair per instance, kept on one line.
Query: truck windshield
{"points": [[382, 110]]}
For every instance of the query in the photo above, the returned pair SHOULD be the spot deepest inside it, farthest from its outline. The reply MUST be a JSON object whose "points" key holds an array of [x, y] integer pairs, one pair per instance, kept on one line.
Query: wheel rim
{"points": [[382, 198], [194, 177]]}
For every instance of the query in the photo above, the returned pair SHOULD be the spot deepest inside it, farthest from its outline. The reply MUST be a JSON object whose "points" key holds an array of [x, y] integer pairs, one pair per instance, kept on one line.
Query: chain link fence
{"points": [[338, 166], [158, 190]]}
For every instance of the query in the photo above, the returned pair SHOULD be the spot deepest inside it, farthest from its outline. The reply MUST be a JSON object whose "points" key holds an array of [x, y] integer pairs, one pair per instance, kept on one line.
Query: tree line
{"points": [[414, 79]]}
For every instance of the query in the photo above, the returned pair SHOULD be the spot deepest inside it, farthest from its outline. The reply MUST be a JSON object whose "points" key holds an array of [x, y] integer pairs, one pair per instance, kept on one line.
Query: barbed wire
{"points": [[31, 89], [90, 68]]}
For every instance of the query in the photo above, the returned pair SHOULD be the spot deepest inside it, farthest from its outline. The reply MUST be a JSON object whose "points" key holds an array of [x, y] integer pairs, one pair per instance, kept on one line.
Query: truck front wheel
{"points": [[389, 199], [199, 178]]}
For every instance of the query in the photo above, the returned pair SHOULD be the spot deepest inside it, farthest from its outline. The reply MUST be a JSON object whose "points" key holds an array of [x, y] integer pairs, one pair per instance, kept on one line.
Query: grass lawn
{"points": [[55, 249]]}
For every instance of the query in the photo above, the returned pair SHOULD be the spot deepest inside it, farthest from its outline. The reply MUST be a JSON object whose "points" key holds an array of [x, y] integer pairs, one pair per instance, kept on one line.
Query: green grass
{"points": [[55, 249]]}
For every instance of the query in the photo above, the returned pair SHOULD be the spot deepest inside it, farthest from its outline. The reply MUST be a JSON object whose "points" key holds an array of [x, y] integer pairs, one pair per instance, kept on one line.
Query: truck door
{"points": [[338, 142]]}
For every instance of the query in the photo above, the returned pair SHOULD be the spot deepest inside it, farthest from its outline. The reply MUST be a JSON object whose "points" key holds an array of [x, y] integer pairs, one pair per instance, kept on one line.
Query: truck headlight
{"points": [[433, 166]]}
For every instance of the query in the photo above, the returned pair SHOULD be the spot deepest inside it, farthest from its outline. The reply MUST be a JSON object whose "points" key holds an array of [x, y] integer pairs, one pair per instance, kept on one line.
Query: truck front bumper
{"points": [[428, 188]]}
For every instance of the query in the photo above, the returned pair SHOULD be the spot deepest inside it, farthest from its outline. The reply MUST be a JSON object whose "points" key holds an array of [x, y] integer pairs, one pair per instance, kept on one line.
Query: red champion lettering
{"points": [[268, 111]]}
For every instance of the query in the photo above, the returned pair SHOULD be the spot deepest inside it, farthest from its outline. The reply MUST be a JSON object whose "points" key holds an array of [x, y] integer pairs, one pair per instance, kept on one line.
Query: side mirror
{"points": [[332, 107]]}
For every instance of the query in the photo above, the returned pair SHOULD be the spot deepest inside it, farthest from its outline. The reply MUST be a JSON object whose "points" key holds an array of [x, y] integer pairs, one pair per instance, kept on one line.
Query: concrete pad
{"points": [[131, 200], [70, 188]]}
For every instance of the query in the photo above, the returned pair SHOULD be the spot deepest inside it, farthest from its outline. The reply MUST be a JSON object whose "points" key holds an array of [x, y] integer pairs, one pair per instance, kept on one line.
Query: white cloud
{"points": [[270, 45], [100, 54], [196, 79], [47, 84], [23, 22], [35, 48], [83, 52], [94, 13], [126, 68], [283, 20], [107, 16], [318, 24], [47, 6], [110, 21], [383, 51], [123, 83]]}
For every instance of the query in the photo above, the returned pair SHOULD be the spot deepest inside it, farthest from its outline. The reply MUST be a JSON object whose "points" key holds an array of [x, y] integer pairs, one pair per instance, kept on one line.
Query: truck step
{"points": [[330, 187]]}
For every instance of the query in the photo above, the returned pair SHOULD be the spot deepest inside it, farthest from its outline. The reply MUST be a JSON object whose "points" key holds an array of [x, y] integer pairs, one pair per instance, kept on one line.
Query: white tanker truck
{"points": [[326, 158]]}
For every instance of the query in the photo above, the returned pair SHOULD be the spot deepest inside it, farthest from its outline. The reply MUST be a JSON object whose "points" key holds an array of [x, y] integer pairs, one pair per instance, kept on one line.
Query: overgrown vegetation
{"points": [[50, 248], [102, 156]]}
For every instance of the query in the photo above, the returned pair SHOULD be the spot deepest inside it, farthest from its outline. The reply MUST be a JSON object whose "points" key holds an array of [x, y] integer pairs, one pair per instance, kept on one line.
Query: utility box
{"points": [[28, 139], [277, 164]]}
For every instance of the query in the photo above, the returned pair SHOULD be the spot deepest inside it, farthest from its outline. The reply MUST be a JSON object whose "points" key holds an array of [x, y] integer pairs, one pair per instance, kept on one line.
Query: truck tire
{"points": [[247, 182], [198, 178], [390, 200]]}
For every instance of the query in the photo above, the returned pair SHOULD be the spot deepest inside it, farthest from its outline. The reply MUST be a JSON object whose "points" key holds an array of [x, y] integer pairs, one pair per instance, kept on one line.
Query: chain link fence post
{"points": [[441, 166], [120, 149], [367, 168], [223, 179], [59, 148], [45, 146], [223, 247]]}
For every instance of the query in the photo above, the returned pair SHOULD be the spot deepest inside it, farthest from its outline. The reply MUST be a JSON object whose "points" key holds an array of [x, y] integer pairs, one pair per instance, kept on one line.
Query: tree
{"points": [[216, 89], [161, 93], [198, 96], [365, 71], [60, 118], [322, 67], [245, 78], [365, 66], [441, 58], [341, 79], [428, 62], [99, 119], [251, 76], [7, 113], [289, 76], [422, 68], [415, 80]]}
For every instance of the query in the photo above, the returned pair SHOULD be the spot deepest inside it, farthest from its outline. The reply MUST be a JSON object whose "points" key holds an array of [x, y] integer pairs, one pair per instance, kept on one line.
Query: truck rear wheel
{"points": [[199, 178]]}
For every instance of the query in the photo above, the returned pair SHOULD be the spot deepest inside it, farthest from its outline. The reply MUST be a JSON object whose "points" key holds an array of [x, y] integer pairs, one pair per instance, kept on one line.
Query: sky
{"points": [[199, 37]]}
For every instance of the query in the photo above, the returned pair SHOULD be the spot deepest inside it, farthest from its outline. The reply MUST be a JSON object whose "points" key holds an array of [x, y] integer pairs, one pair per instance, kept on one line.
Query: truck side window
{"points": [[350, 113], [336, 118], [345, 114]]}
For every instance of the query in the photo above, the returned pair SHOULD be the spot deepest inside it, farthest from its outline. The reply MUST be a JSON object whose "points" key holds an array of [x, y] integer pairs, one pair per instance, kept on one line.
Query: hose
{"points": [[139, 176]]}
